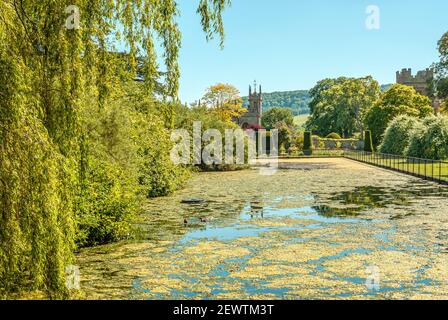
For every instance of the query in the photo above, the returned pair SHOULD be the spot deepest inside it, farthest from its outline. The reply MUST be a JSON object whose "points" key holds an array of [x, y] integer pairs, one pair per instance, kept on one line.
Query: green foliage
{"points": [[284, 135], [442, 88], [297, 144], [108, 204], [307, 143], [368, 146], [296, 101], [275, 116], [398, 100], [429, 139], [439, 87], [36, 226], [441, 67], [330, 144], [397, 135], [128, 159], [185, 118], [151, 135], [339, 105], [417, 144], [334, 135]]}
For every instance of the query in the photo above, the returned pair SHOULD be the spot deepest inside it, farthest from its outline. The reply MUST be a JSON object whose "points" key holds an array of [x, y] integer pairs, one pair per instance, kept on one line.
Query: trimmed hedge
{"points": [[307, 143], [350, 144], [334, 136], [368, 145]]}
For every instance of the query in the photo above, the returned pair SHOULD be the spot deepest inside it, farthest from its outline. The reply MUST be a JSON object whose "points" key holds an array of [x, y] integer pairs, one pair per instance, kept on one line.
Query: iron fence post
{"points": [[426, 178]]}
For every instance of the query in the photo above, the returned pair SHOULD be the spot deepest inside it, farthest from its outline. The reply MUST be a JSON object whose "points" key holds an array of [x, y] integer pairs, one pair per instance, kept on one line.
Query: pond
{"points": [[317, 229]]}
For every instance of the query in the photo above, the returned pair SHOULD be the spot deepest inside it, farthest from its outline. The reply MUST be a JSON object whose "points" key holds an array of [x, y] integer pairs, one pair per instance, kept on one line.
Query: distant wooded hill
{"points": [[297, 100]]}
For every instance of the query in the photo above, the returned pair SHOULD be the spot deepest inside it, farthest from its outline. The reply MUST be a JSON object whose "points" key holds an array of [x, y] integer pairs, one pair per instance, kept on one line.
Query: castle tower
{"points": [[252, 119], [420, 82]]}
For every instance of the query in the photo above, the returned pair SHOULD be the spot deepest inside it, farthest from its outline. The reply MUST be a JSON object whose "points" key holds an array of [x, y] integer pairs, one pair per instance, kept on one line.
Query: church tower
{"points": [[252, 119]]}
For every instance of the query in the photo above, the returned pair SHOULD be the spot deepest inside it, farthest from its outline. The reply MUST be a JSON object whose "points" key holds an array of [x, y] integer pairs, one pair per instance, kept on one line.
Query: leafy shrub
{"points": [[127, 158], [430, 139], [109, 197], [299, 142], [334, 136], [185, 118], [397, 135], [368, 146], [416, 147], [108, 204], [294, 151], [158, 175]]}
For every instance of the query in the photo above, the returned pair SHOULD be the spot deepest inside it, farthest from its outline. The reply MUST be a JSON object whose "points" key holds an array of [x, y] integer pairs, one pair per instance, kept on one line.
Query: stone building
{"points": [[252, 119], [420, 82]]}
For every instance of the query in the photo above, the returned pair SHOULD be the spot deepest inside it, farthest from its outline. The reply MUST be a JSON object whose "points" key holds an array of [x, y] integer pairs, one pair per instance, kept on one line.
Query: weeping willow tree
{"points": [[49, 71]]}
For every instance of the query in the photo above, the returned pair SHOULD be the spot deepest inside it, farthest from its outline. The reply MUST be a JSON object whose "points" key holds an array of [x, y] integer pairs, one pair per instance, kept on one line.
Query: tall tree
{"points": [[339, 105], [274, 116], [398, 100], [440, 85], [51, 70], [225, 100]]}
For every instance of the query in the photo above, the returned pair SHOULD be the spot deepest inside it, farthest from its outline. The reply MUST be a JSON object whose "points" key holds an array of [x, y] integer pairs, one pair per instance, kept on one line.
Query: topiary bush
{"points": [[397, 135], [368, 145], [307, 143], [334, 136]]}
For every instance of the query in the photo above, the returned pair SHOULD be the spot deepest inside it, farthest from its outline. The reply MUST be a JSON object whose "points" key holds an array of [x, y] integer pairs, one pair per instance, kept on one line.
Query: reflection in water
{"points": [[327, 211], [363, 198]]}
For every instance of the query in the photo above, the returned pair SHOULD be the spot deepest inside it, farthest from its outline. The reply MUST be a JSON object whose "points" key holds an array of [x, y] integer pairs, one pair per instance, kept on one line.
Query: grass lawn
{"points": [[435, 169], [300, 120]]}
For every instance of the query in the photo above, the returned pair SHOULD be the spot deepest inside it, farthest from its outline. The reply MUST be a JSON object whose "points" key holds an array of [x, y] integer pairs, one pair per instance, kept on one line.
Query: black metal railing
{"points": [[316, 153], [434, 170]]}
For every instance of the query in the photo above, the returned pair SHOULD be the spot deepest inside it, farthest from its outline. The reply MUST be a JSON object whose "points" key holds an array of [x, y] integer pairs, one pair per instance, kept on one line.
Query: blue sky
{"points": [[291, 44]]}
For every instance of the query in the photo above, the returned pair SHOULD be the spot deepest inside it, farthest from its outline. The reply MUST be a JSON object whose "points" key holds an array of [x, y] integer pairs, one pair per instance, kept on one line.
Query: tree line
{"points": [[349, 106]]}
